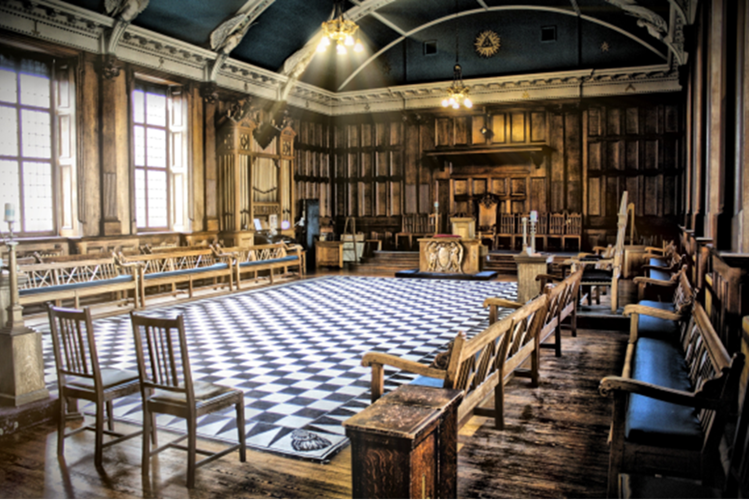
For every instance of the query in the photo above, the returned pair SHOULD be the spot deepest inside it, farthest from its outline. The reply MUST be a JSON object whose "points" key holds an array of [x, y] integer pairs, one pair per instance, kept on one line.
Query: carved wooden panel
{"points": [[461, 131], [444, 131], [477, 123], [518, 186], [538, 127], [498, 186]]}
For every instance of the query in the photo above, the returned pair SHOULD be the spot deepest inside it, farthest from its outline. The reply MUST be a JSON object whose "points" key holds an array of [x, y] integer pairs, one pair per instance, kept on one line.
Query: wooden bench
{"points": [[672, 400], [68, 278], [562, 299], [263, 258], [478, 366], [672, 293], [180, 266]]}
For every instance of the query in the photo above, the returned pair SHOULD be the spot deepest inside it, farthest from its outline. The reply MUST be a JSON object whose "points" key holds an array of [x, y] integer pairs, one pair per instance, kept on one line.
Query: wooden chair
{"points": [[80, 377], [556, 231], [167, 387], [506, 230], [573, 230], [542, 231]]}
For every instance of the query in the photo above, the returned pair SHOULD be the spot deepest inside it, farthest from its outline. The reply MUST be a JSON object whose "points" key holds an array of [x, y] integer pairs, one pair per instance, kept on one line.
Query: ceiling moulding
{"points": [[67, 25]]}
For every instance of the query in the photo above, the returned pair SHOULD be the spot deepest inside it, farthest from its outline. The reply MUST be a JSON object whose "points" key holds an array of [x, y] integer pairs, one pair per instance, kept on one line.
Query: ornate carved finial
{"points": [[110, 67], [208, 91], [239, 109]]}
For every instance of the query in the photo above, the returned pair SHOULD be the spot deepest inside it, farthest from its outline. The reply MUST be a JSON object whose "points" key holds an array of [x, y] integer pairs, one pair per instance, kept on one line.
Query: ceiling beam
{"points": [[498, 8], [383, 20], [575, 7], [482, 4]]}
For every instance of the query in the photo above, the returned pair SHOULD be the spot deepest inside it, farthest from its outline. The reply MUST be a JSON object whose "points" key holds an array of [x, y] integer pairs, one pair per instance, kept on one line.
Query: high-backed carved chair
{"points": [[506, 230], [79, 376], [573, 230], [167, 387], [556, 231]]}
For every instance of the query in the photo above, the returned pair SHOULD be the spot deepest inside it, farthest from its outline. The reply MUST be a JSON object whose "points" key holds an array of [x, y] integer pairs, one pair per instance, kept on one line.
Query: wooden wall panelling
{"points": [[461, 131], [198, 175], [115, 154], [427, 193], [444, 131], [556, 172], [538, 127], [411, 168], [382, 200], [518, 132], [499, 128], [573, 164], [396, 171], [477, 123]]}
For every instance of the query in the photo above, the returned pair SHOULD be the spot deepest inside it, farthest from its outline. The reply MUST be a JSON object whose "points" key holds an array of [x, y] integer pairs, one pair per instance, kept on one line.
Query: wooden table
{"points": [[329, 253], [406, 445]]}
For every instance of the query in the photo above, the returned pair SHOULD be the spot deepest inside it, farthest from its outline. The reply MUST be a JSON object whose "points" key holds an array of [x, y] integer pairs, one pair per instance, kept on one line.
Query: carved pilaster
{"points": [[209, 92], [109, 67]]}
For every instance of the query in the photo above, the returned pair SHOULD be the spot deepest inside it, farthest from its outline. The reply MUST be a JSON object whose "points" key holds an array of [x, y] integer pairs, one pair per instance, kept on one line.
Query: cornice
{"points": [[67, 25]]}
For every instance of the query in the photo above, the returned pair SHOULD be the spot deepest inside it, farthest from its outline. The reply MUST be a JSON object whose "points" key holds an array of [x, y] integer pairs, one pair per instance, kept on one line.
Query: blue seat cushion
{"points": [[653, 422], [123, 278], [195, 270], [249, 263], [658, 261], [657, 274], [428, 381], [596, 275], [658, 328]]}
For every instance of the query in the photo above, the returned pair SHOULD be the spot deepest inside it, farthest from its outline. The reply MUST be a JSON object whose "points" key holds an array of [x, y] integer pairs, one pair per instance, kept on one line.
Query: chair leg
{"points": [[61, 426], [99, 426], [573, 322], [240, 429], [149, 434], [191, 450], [110, 416], [558, 340]]}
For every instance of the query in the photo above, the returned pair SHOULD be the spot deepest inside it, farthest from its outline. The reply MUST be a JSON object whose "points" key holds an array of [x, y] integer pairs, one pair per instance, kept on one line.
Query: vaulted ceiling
{"points": [[414, 41]]}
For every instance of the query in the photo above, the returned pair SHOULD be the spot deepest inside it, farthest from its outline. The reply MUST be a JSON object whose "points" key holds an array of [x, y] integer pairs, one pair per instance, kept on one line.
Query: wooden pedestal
{"points": [[530, 266], [329, 253], [406, 445]]}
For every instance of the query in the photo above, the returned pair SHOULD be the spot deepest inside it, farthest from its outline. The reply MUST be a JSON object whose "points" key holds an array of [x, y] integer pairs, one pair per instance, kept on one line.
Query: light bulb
{"points": [[451, 101], [358, 47], [468, 104], [349, 41], [340, 49], [456, 106], [321, 46], [444, 103], [325, 42]]}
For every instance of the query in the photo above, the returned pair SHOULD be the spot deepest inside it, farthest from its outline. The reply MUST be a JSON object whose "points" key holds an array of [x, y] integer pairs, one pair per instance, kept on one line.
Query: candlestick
{"points": [[534, 216], [10, 213], [525, 233]]}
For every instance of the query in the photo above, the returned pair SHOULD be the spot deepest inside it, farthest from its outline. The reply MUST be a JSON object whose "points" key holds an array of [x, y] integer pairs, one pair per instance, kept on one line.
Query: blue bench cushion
{"points": [[657, 328], [195, 270], [657, 423], [249, 263], [123, 278], [428, 381], [658, 261], [657, 274]]}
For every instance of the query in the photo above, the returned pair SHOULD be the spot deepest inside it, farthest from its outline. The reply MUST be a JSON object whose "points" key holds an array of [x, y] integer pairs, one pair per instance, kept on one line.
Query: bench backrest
{"points": [[712, 371], [175, 260], [683, 293], [476, 364], [64, 273], [562, 300], [255, 253]]}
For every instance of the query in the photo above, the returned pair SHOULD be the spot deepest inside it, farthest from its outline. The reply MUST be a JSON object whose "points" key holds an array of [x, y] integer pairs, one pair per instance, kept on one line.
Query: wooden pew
{"points": [[479, 366], [263, 258], [672, 400], [180, 266], [74, 277]]}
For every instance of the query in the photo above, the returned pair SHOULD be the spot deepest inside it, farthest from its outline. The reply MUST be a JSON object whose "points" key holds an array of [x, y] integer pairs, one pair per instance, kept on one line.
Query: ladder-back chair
{"points": [[79, 376], [506, 230], [573, 230], [556, 230], [167, 387]]}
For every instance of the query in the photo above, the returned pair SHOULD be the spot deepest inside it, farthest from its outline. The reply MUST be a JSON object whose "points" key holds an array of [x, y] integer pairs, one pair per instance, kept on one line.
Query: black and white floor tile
{"points": [[296, 349]]}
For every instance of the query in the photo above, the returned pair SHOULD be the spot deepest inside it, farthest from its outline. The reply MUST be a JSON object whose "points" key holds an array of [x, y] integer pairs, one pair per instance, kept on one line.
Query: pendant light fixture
{"points": [[457, 93], [340, 30]]}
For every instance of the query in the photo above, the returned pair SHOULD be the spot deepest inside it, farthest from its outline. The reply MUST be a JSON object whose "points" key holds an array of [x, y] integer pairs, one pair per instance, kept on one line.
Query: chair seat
{"points": [[658, 328], [250, 263], [203, 392], [196, 270], [654, 422], [110, 377], [597, 276]]}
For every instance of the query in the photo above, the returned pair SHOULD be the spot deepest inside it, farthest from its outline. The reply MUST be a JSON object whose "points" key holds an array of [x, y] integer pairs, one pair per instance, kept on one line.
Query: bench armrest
{"points": [[650, 311], [496, 301], [653, 281], [382, 359], [659, 250], [696, 399]]}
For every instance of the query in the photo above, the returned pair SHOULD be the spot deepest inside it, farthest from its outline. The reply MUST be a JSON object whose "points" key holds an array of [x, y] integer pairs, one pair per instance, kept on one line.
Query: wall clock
{"points": [[486, 43]]}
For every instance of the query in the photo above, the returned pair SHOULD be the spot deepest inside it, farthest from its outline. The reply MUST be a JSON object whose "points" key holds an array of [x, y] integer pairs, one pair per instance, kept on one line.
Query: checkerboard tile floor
{"points": [[295, 351]]}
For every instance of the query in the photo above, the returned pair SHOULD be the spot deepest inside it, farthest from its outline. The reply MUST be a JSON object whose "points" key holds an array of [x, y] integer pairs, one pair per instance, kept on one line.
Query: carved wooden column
{"points": [[115, 147], [210, 98]]}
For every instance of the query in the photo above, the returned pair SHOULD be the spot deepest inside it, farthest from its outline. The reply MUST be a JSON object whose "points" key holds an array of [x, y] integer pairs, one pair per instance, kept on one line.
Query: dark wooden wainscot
{"points": [[406, 445]]}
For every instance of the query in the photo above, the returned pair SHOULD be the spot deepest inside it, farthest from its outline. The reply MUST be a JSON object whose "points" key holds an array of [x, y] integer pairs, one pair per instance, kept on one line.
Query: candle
{"points": [[534, 216], [436, 204], [10, 213]]}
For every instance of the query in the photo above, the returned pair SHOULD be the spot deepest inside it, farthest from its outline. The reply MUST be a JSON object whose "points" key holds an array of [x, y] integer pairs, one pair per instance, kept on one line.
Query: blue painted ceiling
{"points": [[589, 34]]}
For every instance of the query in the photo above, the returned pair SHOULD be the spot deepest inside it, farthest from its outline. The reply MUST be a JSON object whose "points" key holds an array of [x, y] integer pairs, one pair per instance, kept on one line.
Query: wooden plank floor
{"points": [[554, 447]]}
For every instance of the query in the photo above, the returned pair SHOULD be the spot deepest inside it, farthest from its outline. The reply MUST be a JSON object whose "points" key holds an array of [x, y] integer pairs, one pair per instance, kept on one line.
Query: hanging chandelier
{"points": [[457, 93], [340, 30]]}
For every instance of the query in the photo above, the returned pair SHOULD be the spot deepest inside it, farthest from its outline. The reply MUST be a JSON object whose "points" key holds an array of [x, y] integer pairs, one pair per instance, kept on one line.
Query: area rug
{"points": [[296, 349]]}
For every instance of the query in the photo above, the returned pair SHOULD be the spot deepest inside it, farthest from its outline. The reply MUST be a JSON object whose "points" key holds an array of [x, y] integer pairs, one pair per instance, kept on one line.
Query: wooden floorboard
{"points": [[554, 446]]}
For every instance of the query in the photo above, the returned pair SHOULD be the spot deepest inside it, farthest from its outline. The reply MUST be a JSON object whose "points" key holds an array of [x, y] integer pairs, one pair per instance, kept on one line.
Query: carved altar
{"points": [[450, 255]]}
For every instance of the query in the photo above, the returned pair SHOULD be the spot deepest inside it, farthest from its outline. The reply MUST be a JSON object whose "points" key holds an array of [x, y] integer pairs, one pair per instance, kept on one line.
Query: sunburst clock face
{"points": [[486, 43]]}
